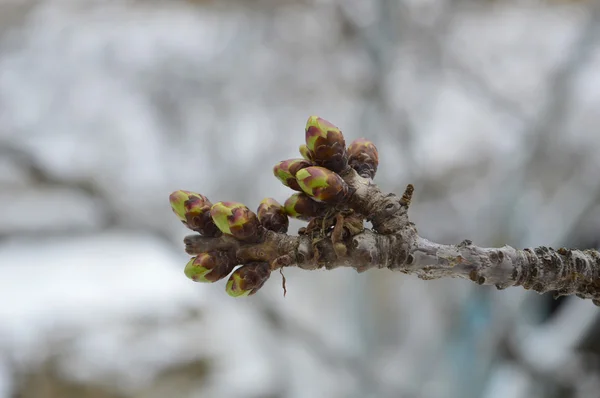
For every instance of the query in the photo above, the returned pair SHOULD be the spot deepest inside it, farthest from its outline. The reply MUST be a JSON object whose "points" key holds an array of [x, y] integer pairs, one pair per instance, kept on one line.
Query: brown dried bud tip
{"points": [[363, 157], [326, 145], [272, 216]]}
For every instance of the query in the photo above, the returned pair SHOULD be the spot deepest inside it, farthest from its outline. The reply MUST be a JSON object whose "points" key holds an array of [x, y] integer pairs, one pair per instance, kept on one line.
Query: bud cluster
{"points": [[317, 178]]}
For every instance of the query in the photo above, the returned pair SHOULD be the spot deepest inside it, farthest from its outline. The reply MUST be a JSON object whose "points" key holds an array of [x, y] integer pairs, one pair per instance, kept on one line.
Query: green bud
{"points": [[325, 142], [236, 220], [363, 157], [302, 207], [322, 185], [177, 200], [209, 267], [193, 209], [272, 216], [286, 171], [246, 280], [305, 152]]}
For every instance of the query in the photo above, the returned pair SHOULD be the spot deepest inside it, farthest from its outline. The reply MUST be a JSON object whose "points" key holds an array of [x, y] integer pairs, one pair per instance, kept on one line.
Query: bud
{"points": [[326, 144], [363, 157], [246, 280], [286, 171], [302, 207], [271, 215], [305, 152], [193, 209], [322, 185], [209, 267], [237, 220], [177, 200]]}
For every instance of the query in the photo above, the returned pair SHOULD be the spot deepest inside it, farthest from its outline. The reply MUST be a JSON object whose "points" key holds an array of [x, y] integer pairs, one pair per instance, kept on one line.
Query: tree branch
{"points": [[395, 244]]}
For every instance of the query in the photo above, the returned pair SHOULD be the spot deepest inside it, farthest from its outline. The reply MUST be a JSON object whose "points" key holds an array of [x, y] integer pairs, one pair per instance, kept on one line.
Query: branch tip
{"points": [[407, 195]]}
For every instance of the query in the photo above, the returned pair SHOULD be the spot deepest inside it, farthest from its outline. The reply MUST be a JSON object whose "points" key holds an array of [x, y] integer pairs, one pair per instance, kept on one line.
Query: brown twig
{"points": [[394, 244]]}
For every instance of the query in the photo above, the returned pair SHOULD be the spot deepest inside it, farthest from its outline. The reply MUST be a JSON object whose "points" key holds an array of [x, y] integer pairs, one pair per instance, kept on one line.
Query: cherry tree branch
{"points": [[394, 243]]}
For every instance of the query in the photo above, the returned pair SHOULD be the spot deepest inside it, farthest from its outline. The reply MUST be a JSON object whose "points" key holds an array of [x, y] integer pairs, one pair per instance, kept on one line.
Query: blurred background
{"points": [[490, 108]]}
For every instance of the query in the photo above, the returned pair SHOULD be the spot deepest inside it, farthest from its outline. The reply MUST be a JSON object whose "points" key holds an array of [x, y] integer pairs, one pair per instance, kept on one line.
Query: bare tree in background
{"points": [[488, 108]]}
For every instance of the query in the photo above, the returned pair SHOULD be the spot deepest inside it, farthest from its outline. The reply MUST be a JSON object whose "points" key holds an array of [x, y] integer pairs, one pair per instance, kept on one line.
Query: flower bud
{"points": [[177, 200], [286, 171], [322, 185], [193, 209], [246, 280], [305, 152], [302, 207], [326, 144], [209, 267], [237, 220], [272, 216], [363, 157]]}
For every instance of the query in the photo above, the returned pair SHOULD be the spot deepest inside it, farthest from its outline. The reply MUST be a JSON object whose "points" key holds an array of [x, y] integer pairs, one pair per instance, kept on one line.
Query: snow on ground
{"points": [[123, 309]]}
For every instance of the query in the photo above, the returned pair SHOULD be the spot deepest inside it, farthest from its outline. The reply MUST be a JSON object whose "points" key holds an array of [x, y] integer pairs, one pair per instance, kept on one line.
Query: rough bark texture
{"points": [[394, 244]]}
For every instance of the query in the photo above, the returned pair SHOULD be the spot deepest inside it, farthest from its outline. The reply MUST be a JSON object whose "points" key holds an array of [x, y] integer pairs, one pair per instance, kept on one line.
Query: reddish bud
{"points": [[246, 280], [325, 142], [322, 185], [302, 207], [236, 220], [272, 216], [209, 267], [193, 209], [363, 157], [286, 171]]}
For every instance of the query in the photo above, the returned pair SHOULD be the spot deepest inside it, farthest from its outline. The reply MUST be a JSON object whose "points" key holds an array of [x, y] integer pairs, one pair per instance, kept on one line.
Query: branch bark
{"points": [[394, 243]]}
